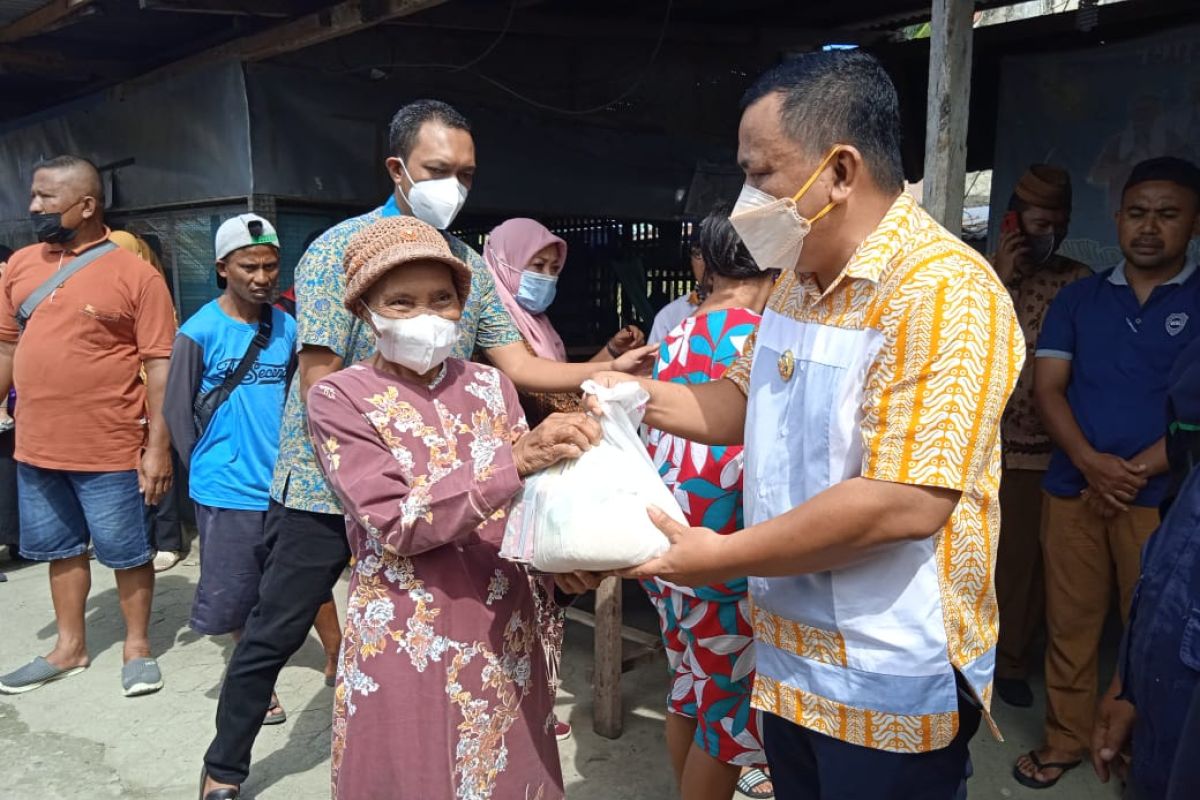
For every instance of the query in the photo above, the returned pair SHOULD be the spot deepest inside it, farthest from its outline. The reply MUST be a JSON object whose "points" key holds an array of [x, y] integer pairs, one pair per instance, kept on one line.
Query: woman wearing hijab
{"points": [[443, 686], [526, 260]]}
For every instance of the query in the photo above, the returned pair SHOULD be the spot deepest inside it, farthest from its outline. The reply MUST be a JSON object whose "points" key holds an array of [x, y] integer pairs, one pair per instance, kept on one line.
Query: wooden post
{"points": [[606, 688], [49, 17], [946, 112]]}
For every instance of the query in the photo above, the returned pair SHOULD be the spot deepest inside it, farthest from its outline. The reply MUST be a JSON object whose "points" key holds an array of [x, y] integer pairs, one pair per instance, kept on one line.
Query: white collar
{"points": [[1117, 276]]}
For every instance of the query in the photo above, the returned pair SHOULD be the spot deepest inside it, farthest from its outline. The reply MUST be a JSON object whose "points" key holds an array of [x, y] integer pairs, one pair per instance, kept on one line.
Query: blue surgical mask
{"points": [[536, 291]]}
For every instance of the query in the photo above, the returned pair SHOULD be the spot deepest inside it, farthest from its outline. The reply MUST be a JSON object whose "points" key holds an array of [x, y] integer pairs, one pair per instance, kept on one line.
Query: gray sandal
{"points": [[35, 674], [750, 782], [141, 676], [277, 718]]}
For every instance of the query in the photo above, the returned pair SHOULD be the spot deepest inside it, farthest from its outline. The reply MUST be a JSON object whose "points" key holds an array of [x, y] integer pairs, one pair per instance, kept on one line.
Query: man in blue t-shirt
{"points": [[231, 454], [1100, 383]]}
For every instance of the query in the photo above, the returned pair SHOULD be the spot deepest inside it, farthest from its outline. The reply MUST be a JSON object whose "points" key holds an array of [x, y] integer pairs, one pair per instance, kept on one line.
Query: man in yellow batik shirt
{"points": [[870, 407]]}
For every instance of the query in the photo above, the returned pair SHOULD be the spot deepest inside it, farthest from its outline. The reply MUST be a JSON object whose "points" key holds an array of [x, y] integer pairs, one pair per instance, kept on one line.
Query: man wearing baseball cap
{"points": [[224, 402], [246, 231]]}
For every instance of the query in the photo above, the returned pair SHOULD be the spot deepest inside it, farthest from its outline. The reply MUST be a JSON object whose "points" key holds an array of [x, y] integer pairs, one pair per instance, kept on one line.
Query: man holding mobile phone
{"points": [[1028, 263]]}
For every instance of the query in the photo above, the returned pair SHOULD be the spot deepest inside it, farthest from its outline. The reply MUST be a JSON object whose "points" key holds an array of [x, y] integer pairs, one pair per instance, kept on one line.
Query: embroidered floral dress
{"points": [[707, 630], [443, 688]]}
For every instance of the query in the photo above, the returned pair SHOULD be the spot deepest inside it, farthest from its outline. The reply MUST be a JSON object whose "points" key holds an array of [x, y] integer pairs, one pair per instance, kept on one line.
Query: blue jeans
{"points": [[61, 511]]}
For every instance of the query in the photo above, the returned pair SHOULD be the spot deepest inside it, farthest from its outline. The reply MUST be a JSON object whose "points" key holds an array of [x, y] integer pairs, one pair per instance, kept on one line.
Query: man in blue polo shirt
{"points": [[1103, 359]]}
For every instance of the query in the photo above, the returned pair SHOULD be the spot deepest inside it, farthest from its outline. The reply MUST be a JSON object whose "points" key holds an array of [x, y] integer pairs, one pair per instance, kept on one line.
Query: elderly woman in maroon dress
{"points": [[442, 691]]}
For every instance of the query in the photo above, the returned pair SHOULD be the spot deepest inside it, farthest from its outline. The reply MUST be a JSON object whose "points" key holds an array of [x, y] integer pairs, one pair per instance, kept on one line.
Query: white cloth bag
{"points": [[590, 513]]}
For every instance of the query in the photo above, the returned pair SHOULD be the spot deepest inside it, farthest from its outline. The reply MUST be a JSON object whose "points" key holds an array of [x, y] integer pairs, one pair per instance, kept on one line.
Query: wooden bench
{"points": [[611, 656]]}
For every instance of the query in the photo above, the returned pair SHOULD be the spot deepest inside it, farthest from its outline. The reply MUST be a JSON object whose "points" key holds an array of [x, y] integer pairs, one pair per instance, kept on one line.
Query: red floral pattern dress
{"points": [[707, 630], [443, 689]]}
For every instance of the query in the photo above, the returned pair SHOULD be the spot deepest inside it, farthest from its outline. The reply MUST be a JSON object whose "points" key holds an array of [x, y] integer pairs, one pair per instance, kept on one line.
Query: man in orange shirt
{"points": [[87, 458]]}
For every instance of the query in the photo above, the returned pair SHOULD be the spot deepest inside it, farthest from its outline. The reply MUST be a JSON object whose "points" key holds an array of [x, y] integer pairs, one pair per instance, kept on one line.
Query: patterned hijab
{"points": [[509, 248]]}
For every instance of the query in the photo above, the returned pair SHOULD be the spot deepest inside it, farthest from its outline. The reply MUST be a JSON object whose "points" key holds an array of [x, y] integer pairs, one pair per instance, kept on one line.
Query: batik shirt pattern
{"points": [[898, 371], [322, 320]]}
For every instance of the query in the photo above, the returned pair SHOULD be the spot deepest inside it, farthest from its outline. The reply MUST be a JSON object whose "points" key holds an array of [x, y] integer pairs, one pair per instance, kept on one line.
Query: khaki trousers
{"points": [[1020, 589], [1085, 555]]}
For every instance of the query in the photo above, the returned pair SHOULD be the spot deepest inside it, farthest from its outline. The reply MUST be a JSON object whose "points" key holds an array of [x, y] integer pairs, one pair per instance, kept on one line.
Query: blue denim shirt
{"points": [[1162, 662], [1161, 665]]}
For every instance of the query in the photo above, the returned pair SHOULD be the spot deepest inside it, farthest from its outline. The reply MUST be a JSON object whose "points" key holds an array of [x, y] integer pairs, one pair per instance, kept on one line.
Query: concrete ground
{"points": [[80, 739]]}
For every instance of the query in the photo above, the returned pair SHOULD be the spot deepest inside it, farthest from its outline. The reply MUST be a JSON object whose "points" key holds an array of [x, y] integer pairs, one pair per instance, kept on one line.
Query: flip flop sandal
{"points": [[277, 718], [1032, 782], [34, 675], [749, 782], [141, 676]]}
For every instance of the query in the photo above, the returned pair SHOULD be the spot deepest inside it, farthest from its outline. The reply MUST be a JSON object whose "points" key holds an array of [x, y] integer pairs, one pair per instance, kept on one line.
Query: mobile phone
{"points": [[1010, 223]]}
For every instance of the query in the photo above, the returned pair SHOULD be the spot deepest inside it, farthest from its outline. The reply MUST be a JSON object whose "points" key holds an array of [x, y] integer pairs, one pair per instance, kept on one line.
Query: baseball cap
{"points": [[244, 230]]}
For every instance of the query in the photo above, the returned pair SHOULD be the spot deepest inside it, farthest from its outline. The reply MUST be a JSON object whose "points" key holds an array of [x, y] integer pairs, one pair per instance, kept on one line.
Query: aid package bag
{"points": [[590, 513]]}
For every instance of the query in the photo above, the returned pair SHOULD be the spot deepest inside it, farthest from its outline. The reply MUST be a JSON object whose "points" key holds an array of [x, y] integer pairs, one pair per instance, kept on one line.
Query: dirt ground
{"points": [[80, 739]]}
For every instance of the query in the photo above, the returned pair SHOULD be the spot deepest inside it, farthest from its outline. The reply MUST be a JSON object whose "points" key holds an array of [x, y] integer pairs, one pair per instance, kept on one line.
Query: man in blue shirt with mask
{"points": [[431, 164]]}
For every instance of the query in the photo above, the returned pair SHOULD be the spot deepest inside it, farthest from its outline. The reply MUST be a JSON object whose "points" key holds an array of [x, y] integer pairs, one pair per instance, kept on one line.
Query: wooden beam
{"points": [[639, 637], [248, 8], [45, 19], [334, 22], [606, 683], [596, 27], [946, 111], [55, 63], [343, 19]]}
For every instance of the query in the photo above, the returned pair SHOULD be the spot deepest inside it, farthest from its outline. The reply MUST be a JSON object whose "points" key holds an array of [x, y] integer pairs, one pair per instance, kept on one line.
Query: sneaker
{"points": [[166, 559], [141, 676], [562, 730]]}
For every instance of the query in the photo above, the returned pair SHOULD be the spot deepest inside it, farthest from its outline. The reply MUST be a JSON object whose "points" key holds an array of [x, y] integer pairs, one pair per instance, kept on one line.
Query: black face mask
{"points": [[49, 228], [1041, 247]]}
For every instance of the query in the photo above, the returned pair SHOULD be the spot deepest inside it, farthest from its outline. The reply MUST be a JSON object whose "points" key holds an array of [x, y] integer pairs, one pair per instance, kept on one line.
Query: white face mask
{"points": [[771, 227], [436, 202], [419, 343]]}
